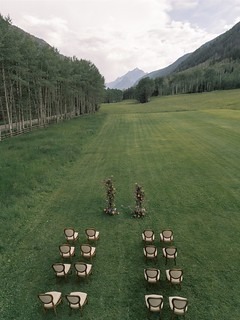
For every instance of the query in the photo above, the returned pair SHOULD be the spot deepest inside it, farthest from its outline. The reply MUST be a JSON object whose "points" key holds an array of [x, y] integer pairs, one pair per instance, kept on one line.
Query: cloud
{"points": [[150, 48], [119, 35], [183, 4], [53, 30], [211, 15]]}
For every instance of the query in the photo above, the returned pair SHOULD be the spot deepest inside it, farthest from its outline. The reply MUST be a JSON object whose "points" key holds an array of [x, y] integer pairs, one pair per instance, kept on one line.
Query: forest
{"points": [[38, 85], [206, 77], [213, 66]]}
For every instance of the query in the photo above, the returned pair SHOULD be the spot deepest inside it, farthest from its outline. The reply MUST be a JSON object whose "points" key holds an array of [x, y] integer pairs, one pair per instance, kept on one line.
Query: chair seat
{"points": [[151, 280], [148, 239], [67, 267]]}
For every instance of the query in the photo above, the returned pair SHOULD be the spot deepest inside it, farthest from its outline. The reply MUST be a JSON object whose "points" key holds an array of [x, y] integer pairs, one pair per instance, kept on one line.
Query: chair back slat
{"points": [[176, 274], [179, 304], [69, 232], [148, 233], [150, 249], [72, 299], [58, 267], [65, 248], [85, 248], [46, 298], [80, 267], [155, 302], [167, 233], [171, 251], [152, 273], [90, 232]]}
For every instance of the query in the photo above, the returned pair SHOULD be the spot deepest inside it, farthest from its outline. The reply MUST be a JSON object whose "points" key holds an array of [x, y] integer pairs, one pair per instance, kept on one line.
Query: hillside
{"points": [[213, 66], [25, 34], [225, 46], [167, 70]]}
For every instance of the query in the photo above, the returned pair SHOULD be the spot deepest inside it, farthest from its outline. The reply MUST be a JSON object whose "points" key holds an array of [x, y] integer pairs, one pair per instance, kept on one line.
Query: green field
{"points": [[184, 150]]}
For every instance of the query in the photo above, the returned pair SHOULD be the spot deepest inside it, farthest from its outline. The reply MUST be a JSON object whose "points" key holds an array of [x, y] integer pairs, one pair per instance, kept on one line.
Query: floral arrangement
{"points": [[110, 196], [139, 210]]}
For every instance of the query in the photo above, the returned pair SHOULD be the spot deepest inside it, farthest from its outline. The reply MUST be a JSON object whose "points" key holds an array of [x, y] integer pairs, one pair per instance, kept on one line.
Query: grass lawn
{"points": [[184, 150]]}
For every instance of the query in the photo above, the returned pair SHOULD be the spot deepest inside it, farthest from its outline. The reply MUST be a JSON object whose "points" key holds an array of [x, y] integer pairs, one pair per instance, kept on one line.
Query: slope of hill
{"points": [[213, 66], [167, 70], [225, 46], [127, 80], [39, 41]]}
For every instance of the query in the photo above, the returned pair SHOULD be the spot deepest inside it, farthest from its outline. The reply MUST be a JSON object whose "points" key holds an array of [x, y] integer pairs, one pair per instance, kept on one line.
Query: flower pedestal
{"points": [[139, 210], [110, 196]]}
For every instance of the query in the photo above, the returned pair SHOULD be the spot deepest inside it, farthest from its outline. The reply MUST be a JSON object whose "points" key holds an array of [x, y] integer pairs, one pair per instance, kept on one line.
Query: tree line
{"points": [[38, 85], [214, 66], [222, 75], [219, 76]]}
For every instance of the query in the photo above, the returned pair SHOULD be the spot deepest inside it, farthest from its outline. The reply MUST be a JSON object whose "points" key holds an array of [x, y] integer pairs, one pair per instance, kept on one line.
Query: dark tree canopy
{"points": [[113, 95], [144, 89]]}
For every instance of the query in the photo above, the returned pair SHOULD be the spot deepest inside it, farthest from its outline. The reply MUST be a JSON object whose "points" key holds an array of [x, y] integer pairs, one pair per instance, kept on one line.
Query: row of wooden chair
{"points": [[178, 305], [82, 269], [68, 251], [166, 236], [173, 276], [76, 300], [154, 302], [72, 235], [150, 252], [50, 300]]}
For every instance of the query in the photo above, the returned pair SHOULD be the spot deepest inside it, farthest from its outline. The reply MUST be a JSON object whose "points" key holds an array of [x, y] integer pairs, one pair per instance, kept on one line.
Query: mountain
{"points": [[167, 70], [224, 47], [126, 81], [213, 66]]}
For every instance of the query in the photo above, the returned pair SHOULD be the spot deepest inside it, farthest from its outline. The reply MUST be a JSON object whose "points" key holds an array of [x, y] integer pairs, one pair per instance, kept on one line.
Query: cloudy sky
{"points": [[120, 35]]}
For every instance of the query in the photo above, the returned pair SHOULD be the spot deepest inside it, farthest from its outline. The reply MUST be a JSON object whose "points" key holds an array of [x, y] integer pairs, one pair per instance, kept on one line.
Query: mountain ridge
{"points": [[224, 46], [167, 70], [127, 80]]}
